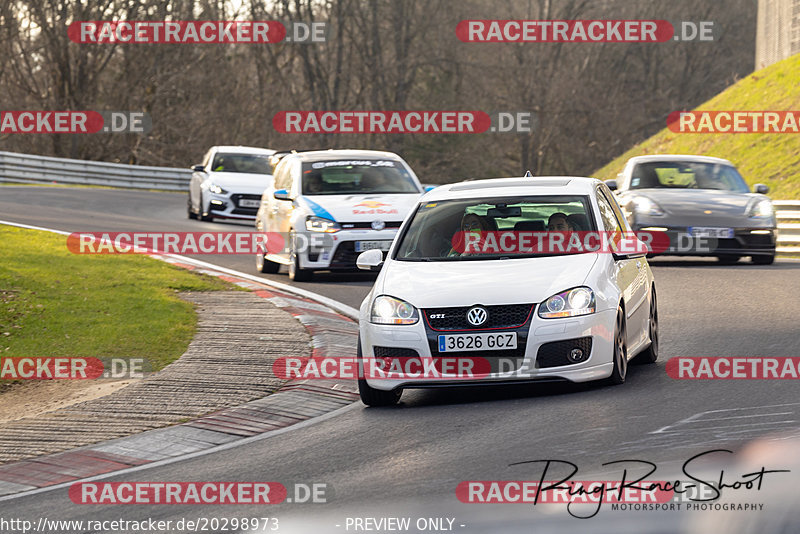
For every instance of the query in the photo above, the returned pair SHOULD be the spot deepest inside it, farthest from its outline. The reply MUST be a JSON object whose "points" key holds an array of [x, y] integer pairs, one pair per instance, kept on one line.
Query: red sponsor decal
{"points": [[734, 122], [52, 368], [177, 493], [66, 122], [351, 368], [177, 242], [172, 32], [564, 31], [551, 242], [382, 122], [565, 492], [733, 368]]}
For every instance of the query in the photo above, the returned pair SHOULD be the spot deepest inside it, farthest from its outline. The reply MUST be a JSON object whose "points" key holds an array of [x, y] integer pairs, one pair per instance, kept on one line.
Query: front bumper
{"points": [[336, 251], [536, 333], [746, 241], [229, 206]]}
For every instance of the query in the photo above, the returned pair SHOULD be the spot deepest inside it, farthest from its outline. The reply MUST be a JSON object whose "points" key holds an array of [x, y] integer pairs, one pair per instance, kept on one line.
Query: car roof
{"points": [[678, 157], [239, 149], [334, 154], [537, 185]]}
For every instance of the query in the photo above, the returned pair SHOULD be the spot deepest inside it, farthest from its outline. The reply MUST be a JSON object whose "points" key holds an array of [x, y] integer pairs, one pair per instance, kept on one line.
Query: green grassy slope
{"points": [[772, 159]]}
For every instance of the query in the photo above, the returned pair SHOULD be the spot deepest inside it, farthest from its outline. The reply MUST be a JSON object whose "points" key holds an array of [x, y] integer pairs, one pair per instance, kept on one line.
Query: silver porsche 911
{"points": [[702, 204]]}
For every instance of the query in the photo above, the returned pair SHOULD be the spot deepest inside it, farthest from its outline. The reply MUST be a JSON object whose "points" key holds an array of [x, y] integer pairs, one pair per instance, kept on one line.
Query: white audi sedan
{"points": [[444, 314], [229, 183]]}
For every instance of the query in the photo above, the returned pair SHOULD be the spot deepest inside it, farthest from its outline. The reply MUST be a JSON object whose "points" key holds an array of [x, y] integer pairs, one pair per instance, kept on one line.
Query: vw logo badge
{"points": [[378, 225], [477, 316]]}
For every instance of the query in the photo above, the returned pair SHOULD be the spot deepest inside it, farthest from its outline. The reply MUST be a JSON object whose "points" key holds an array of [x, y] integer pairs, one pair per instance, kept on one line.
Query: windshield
{"points": [[244, 163], [357, 177], [438, 230], [687, 175]]}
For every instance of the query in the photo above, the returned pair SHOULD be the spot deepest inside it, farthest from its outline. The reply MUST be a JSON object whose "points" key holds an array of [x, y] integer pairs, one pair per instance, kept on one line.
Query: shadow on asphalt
{"points": [[639, 376]]}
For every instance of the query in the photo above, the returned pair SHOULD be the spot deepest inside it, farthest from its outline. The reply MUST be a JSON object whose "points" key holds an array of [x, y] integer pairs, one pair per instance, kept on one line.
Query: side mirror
{"points": [[198, 168], [281, 194], [612, 184], [371, 260], [629, 247], [761, 189]]}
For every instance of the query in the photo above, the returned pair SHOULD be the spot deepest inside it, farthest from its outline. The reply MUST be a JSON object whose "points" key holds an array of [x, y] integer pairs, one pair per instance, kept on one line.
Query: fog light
{"points": [[575, 355], [217, 202]]}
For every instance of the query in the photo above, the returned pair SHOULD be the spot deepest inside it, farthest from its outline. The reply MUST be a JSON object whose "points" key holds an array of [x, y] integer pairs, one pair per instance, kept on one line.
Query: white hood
{"points": [[362, 208], [241, 182], [464, 283]]}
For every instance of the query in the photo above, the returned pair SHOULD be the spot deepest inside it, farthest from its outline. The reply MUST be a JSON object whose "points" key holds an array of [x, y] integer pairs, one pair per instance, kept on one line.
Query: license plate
{"points": [[704, 231], [249, 203], [465, 342], [361, 246]]}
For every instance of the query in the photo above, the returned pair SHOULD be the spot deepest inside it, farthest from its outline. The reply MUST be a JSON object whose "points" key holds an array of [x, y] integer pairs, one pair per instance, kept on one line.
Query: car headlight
{"points": [[389, 310], [320, 224], [569, 303], [217, 190], [761, 209], [646, 206]]}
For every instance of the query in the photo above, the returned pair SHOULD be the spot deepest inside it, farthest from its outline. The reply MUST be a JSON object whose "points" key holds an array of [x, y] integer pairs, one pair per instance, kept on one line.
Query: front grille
{"points": [[352, 225], [502, 316], [554, 354], [345, 256], [239, 196], [394, 352], [245, 211]]}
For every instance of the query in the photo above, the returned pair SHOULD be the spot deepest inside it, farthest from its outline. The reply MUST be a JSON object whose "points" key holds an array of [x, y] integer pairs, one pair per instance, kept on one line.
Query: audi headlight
{"points": [[320, 224], [761, 209], [569, 303], [389, 310], [645, 206], [217, 190]]}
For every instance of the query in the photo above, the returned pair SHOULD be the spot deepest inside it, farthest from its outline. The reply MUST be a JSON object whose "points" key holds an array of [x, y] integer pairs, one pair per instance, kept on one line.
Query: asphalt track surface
{"points": [[407, 461]]}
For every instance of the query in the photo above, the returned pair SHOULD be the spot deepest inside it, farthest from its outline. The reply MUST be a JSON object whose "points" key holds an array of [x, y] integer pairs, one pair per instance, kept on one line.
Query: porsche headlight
{"points": [[645, 206], [761, 209], [389, 310], [320, 224], [569, 303]]}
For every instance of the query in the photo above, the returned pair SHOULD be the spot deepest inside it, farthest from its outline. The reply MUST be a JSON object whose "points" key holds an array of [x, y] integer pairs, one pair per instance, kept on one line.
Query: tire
{"points": [[189, 212], [263, 265], [203, 216], [650, 354], [763, 260], [620, 355], [375, 397], [296, 274], [728, 259]]}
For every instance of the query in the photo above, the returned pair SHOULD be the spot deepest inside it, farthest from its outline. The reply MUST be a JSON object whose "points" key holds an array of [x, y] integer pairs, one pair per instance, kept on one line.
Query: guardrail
{"points": [[788, 214], [25, 168]]}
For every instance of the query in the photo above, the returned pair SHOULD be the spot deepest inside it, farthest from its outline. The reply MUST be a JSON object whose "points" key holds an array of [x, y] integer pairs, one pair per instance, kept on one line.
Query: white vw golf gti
{"points": [[522, 313]]}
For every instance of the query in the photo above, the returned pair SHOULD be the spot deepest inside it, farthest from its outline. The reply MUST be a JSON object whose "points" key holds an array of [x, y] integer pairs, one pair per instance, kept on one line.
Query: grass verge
{"points": [[55, 303]]}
